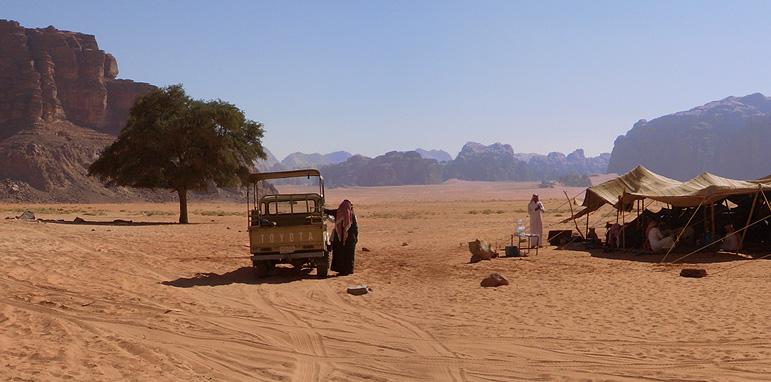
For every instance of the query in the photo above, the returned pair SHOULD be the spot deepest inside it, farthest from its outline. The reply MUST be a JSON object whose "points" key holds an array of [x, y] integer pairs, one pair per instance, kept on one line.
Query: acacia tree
{"points": [[174, 142]]}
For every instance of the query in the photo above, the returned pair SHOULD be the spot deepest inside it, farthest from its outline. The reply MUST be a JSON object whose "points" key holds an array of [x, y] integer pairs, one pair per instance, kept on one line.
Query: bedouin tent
{"points": [[641, 183]]}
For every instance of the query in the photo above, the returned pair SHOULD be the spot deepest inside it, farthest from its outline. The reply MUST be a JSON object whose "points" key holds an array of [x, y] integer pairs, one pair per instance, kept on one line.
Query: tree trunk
{"points": [[182, 205]]}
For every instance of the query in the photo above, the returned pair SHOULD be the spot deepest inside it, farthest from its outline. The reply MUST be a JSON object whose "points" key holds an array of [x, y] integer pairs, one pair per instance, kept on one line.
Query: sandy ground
{"points": [[169, 302]]}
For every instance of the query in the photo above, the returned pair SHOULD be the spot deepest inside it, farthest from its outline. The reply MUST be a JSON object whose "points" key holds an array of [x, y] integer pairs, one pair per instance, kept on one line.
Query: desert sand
{"points": [[160, 301]]}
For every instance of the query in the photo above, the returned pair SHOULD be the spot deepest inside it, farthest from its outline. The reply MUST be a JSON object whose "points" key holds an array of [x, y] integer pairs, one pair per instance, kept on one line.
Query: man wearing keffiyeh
{"points": [[344, 238]]}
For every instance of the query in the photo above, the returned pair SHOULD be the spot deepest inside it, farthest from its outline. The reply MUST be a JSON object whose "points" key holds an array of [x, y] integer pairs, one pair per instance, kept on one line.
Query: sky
{"points": [[369, 77]]}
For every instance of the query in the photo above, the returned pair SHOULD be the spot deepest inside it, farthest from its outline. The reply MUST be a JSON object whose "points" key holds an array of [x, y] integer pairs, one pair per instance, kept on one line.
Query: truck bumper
{"points": [[288, 256]]}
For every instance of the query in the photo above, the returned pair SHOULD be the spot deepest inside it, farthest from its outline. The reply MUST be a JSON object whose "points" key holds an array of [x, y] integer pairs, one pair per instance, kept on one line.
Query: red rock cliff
{"points": [[50, 75], [60, 105]]}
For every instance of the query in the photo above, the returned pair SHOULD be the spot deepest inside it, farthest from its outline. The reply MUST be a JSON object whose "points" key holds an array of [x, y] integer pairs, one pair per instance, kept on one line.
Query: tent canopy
{"points": [[642, 183]]}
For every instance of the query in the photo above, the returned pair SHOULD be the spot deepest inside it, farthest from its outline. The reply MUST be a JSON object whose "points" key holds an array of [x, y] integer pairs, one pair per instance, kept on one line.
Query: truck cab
{"points": [[288, 227]]}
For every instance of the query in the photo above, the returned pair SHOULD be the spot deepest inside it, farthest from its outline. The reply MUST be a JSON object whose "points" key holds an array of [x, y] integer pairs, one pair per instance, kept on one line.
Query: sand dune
{"points": [[165, 302]]}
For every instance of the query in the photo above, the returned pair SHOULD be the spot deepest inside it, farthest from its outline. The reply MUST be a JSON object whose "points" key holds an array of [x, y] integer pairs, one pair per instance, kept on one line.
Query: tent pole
{"points": [[587, 225], [714, 233], [749, 219], [706, 227], [623, 221], [640, 223]]}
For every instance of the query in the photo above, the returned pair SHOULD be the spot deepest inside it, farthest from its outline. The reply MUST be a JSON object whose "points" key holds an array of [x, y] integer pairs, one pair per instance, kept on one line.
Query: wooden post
{"points": [[714, 233], [749, 219], [572, 214], [623, 221], [640, 223], [587, 224]]}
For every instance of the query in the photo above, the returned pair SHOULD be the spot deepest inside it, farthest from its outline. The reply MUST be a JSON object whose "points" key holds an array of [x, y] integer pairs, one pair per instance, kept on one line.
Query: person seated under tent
{"points": [[731, 241], [657, 240]]}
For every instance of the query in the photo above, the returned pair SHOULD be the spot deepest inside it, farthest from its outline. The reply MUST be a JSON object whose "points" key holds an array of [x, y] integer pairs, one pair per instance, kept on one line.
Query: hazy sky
{"points": [[374, 76]]}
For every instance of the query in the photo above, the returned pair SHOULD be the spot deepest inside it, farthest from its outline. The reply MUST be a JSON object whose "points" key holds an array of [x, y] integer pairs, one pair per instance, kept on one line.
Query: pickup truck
{"points": [[287, 228]]}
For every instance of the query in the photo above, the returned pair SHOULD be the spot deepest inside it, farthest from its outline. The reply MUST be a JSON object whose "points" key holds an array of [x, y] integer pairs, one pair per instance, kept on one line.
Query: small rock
{"points": [[404, 244], [358, 290], [494, 280], [79, 220], [364, 249]]}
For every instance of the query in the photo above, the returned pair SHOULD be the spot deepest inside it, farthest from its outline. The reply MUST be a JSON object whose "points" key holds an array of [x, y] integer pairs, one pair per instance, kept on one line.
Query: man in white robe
{"points": [[658, 241], [731, 241], [535, 210]]}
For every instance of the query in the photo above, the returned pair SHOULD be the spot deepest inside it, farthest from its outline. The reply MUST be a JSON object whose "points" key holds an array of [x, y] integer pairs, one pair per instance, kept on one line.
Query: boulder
{"points": [[696, 273], [494, 280]]}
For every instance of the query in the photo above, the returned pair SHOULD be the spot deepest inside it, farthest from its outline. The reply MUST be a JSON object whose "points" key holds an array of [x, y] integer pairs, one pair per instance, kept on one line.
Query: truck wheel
{"points": [[322, 269], [261, 269], [322, 266]]}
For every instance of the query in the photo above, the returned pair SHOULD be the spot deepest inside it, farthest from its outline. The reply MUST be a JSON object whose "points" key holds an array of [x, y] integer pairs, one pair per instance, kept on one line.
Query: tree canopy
{"points": [[174, 142]]}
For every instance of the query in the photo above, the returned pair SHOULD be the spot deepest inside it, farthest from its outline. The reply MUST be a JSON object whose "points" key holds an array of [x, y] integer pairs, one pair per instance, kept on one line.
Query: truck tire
{"points": [[322, 266], [261, 269]]}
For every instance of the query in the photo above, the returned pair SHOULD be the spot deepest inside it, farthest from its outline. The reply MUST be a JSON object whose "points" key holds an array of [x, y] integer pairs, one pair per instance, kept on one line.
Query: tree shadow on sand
{"points": [[117, 222], [243, 275]]}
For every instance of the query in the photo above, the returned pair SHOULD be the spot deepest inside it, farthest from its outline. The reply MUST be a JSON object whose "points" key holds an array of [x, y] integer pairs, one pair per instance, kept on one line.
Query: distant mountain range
{"points": [[730, 138], [496, 162]]}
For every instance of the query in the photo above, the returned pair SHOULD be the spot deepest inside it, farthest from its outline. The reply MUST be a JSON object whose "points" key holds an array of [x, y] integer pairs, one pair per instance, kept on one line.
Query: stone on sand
{"points": [[494, 280]]}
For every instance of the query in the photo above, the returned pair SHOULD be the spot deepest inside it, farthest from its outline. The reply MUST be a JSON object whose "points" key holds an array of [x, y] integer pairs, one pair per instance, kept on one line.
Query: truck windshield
{"points": [[290, 204]]}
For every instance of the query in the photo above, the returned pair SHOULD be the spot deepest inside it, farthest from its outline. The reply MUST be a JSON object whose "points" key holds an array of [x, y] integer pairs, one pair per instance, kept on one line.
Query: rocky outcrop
{"points": [[392, 169], [554, 165], [60, 105], [729, 138], [315, 160], [498, 162], [438, 155], [495, 162]]}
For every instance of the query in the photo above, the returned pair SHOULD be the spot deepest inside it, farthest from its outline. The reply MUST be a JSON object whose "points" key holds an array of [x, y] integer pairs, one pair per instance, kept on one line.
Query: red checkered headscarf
{"points": [[343, 220]]}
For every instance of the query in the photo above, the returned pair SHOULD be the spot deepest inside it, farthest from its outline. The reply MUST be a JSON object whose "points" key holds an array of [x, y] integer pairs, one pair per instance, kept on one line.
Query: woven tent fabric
{"points": [[642, 183]]}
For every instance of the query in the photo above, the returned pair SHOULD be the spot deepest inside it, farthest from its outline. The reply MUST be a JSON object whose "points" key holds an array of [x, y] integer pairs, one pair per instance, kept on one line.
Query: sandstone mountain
{"points": [[438, 155], [391, 169], [729, 138], [60, 105]]}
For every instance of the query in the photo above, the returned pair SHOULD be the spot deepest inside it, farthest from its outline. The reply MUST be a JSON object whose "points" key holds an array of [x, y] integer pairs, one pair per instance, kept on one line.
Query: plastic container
{"points": [[512, 251]]}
